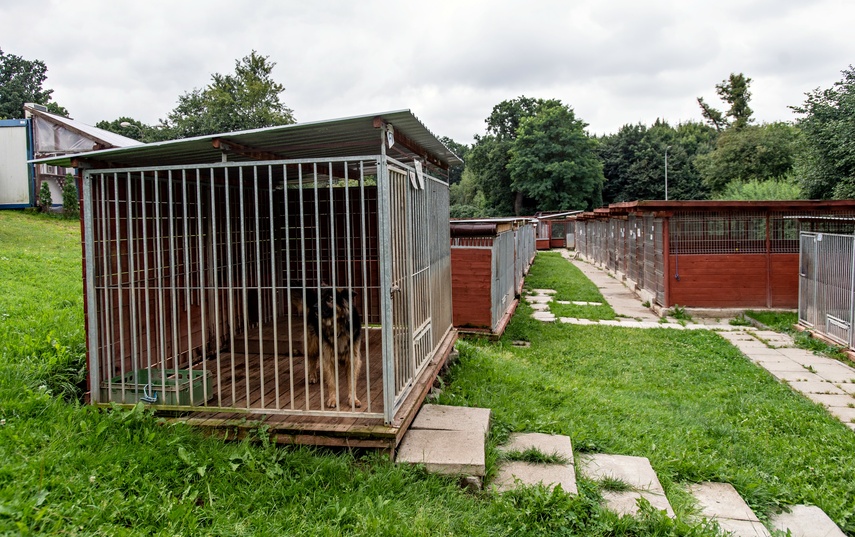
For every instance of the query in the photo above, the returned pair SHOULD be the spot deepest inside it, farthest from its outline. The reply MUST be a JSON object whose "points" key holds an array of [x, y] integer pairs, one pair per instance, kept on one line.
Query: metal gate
{"points": [[826, 284]]}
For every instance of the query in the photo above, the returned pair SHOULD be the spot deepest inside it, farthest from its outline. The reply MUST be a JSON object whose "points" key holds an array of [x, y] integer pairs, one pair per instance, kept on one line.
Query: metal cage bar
{"points": [[201, 282]]}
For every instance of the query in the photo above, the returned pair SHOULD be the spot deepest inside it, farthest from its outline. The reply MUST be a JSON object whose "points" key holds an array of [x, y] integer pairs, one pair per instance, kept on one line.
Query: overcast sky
{"points": [[614, 62]]}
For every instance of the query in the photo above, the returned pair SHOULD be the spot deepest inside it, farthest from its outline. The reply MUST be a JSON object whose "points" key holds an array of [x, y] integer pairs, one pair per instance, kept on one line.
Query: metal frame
{"points": [[827, 285], [207, 272]]}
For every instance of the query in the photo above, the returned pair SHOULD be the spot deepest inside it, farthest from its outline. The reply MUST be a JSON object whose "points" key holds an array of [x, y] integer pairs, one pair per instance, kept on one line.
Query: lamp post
{"points": [[667, 147], [126, 124]]}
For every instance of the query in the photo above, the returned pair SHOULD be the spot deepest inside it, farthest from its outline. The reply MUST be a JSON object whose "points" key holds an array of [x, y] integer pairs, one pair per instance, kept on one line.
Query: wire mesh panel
{"points": [[631, 248], [503, 290], [807, 280], [826, 284], [658, 286], [420, 266], [714, 232]]}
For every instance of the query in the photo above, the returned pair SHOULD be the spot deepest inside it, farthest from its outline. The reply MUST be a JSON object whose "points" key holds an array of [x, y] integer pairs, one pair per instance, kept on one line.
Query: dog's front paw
{"points": [[313, 378], [331, 402], [354, 402]]}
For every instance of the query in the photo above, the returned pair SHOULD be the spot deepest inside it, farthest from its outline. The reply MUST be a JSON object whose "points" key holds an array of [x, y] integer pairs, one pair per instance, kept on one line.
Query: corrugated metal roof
{"points": [[353, 136]]}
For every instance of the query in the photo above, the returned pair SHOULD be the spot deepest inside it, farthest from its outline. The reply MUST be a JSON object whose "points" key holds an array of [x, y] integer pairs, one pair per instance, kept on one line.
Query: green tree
{"points": [[21, 82], [70, 199], [490, 155], [634, 161], [134, 129], [752, 153], [826, 166], [733, 91], [455, 173], [247, 99], [770, 189], [554, 163]]}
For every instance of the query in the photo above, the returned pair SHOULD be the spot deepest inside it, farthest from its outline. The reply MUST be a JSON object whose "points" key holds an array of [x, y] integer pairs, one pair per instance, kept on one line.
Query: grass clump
{"points": [[534, 456]]}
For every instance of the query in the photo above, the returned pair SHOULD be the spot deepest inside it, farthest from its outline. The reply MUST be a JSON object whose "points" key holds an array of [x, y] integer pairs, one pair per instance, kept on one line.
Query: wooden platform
{"points": [[240, 388]]}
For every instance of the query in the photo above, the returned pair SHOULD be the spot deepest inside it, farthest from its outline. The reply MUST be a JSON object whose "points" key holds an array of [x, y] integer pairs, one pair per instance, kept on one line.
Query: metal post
{"points": [[667, 147]]}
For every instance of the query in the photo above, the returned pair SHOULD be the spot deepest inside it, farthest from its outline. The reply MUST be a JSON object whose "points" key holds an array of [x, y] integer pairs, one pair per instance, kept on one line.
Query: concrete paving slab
{"points": [[573, 320], [846, 387], [634, 471], [834, 372], [788, 366], [538, 299], [843, 413], [798, 354], [539, 306], [453, 418], [743, 528], [544, 316], [831, 400], [544, 291], [794, 377], [816, 387], [806, 521], [626, 502], [548, 444], [444, 452], [512, 474], [581, 303], [721, 500]]}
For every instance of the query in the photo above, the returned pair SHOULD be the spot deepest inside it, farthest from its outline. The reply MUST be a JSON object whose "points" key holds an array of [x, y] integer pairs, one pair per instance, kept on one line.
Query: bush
{"points": [[45, 199], [70, 201]]}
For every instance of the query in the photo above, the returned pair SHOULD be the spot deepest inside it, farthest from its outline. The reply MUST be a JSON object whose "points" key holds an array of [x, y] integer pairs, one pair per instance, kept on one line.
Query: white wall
{"points": [[14, 182]]}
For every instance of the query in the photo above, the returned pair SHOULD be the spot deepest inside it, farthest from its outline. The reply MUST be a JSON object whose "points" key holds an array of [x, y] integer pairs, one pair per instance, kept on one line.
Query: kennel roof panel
{"points": [[345, 137]]}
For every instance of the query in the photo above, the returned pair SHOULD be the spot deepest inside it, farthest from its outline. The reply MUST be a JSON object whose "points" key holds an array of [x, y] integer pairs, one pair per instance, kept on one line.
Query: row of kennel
{"points": [[488, 264], [702, 254], [632, 246], [554, 233], [826, 286], [214, 287]]}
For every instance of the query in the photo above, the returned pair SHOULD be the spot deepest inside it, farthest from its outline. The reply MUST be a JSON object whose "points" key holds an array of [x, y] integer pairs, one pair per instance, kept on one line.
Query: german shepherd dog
{"points": [[340, 327]]}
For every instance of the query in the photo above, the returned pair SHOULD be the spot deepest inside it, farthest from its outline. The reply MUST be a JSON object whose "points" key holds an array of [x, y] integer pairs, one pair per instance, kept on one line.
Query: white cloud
{"points": [[614, 62]]}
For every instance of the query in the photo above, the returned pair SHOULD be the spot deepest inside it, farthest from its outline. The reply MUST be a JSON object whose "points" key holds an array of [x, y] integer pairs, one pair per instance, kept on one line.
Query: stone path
{"points": [[513, 473], [635, 473], [720, 502], [825, 381], [451, 439], [447, 440]]}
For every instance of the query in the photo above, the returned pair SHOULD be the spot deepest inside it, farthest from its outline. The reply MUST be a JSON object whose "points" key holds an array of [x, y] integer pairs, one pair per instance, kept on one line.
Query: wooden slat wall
{"points": [[719, 281], [471, 281], [785, 281]]}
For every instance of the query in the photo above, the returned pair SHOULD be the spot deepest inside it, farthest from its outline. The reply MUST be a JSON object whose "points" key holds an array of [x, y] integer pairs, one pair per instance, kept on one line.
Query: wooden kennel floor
{"points": [[250, 400]]}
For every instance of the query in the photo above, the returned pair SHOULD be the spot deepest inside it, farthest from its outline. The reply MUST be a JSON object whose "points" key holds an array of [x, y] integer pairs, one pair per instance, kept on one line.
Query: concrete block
{"points": [[626, 502], [452, 418], [512, 474], [444, 452], [721, 501], [806, 521], [548, 444], [544, 316], [634, 471]]}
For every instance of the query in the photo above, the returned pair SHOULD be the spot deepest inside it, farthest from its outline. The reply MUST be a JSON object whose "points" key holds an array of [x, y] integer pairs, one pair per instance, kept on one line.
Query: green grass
{"points": [[687, 400], [785, 321], [780, 321], [552, 271], [535, 456]]}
